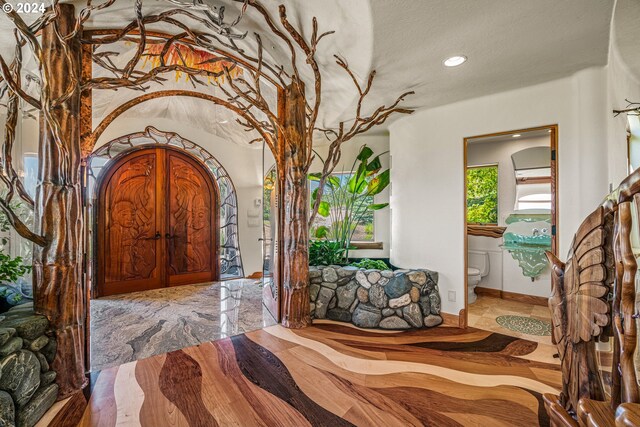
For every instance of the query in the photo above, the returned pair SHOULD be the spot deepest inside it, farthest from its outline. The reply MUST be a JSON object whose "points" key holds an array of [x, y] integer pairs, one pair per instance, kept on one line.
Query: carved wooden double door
{"points": [[157, 223]]}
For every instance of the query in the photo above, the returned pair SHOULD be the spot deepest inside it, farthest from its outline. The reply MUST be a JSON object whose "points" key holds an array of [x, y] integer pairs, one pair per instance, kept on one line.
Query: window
{"points": [[337, 199], [534, 201], [633, 141], [30, 161], [482, 194]]}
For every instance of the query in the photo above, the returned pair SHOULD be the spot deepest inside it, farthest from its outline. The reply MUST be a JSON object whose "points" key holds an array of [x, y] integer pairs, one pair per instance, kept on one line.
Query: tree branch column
{"points": [[295, 245], [57, 272]]}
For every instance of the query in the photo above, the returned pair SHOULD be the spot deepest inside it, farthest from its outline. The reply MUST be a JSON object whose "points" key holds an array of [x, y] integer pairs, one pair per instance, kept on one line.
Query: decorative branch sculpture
{"points": [[288, 129], [632, 108], [579, 308]]}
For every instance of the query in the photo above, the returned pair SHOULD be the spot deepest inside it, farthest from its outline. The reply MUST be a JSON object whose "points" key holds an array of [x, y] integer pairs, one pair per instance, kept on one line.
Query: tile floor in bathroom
{"points": [[483, 314]]}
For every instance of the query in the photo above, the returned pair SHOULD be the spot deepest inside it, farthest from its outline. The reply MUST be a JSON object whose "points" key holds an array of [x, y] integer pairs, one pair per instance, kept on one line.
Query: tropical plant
{"points": [[482, 195], [347, 199], [326, 252], [371, 264], [11, 271]]}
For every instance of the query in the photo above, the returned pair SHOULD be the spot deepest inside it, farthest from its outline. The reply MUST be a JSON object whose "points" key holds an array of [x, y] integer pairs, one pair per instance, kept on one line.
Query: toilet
{"points": [[477, 268]]}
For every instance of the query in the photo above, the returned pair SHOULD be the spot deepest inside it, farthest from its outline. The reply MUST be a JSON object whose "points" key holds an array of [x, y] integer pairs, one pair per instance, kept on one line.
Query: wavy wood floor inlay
{"points": [[327, 375]]}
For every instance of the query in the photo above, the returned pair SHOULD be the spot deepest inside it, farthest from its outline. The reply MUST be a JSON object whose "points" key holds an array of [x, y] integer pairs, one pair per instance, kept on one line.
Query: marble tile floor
{"points": [[483, 314], [138, 325]]}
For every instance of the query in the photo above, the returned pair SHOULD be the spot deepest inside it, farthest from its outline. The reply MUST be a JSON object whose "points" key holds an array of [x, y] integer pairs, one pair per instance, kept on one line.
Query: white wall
{"points": [[504, 272], [427, 221], [621, 85], [242, 163]]}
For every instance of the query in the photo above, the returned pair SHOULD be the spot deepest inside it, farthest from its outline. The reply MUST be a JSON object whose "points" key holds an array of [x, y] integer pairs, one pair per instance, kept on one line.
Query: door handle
{"points": [[156, 237], [264, 240], [168, 236]]}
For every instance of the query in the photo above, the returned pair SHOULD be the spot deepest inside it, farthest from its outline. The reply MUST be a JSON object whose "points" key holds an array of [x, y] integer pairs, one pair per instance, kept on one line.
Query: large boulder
{"points": [[322, 303], [7, 410], [28, 327], [329, 274], [362, 280], [377, 296], [348, 271], [400, 302], [435, 302], [339, 314], [346, 294], [29, 415], [14, 344], [366, 316], [397, 286], [394, 322], [6, 334], [432, 320], [412, 314], [20, 375]]}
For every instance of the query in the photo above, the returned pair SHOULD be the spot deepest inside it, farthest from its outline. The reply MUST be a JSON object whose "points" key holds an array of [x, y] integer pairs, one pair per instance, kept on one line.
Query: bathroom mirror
{"points": [[532, 173]]}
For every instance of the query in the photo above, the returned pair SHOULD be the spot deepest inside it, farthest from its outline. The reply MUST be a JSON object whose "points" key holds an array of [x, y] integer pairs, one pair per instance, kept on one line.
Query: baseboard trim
{"points": [[455, 320], [490, 292], [527, 299]]}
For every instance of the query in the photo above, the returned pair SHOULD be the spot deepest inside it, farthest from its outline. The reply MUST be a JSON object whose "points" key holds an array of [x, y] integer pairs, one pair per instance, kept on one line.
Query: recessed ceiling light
{"points": [[454, 61], [224, 121], [516, 135]]}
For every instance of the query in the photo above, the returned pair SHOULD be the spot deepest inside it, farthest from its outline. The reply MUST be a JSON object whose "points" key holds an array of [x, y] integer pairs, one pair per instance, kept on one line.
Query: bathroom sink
{"points": [[520, 241], [527, 238]]}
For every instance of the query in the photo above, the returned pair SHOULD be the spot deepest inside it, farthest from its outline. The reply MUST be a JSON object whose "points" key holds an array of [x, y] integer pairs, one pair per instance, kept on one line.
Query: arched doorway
{"points": [[100, 162], [157, 225]]}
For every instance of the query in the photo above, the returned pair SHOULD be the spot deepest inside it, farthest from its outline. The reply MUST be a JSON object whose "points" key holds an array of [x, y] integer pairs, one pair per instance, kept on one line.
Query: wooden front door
{"points": [[157, 224]]}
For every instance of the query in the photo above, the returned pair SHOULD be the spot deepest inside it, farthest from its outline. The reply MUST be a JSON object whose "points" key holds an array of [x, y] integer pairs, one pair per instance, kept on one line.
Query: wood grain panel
{"points": [[131, 256], [191, 216], [181, 383], [157, 223]]}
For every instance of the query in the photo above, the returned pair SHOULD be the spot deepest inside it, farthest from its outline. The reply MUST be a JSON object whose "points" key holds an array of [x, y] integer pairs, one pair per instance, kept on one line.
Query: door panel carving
{"points": [[158, 226], [189, 215], [131, 252]]}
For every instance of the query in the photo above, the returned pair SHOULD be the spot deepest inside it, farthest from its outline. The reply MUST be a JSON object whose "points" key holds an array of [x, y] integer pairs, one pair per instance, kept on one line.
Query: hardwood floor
{"points": [[327, 375]]}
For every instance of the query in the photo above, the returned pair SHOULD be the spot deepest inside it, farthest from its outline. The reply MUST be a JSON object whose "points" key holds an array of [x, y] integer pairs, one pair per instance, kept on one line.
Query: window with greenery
{"points": [[339, 197], [482, 195]]}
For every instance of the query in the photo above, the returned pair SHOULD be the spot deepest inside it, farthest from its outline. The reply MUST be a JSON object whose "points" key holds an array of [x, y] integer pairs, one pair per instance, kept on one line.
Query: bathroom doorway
{"points": [[510, 202]]}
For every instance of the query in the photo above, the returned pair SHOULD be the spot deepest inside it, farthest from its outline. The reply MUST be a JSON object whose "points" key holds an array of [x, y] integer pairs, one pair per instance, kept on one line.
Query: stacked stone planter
{"points": [[27, 387], [401, 299]]}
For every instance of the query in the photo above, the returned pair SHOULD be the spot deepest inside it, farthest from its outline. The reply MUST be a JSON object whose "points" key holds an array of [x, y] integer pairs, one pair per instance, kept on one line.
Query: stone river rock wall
{"points": [[27, 383], [401, 299]]}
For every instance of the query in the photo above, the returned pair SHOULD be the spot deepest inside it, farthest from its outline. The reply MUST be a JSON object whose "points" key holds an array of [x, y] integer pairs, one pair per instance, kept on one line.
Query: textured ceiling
{"points": [[509, 43]]}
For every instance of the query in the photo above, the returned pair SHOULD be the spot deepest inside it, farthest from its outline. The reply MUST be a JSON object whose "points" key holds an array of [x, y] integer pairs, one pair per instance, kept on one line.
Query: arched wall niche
{"points": [[99, 161]]}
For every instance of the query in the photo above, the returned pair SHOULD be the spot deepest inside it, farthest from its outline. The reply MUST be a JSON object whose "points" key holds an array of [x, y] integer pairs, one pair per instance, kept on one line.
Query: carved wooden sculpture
{"points": [[580, 310], [288, 129], [594, 296]]}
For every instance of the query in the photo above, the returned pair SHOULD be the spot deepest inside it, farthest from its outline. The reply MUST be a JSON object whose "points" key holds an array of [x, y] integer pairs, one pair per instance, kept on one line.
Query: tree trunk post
{"points": [[295, 229], [57, 267]]}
